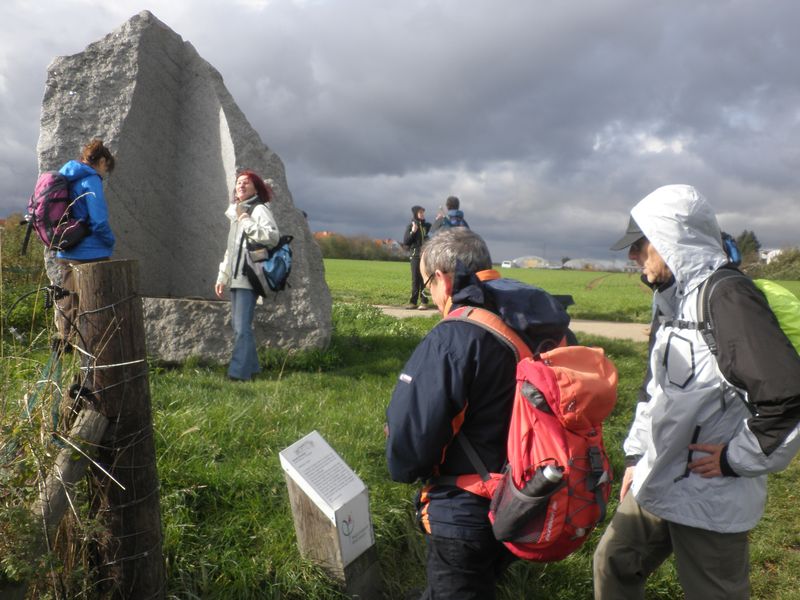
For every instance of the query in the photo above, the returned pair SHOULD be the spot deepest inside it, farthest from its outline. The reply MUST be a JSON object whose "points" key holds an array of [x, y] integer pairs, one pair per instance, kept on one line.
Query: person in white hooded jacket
{"points": [[716, 421], [250, 220]]}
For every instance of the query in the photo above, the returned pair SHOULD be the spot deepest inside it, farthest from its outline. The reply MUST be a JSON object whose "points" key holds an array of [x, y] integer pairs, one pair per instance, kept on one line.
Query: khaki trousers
{"points": [[710, 565]]}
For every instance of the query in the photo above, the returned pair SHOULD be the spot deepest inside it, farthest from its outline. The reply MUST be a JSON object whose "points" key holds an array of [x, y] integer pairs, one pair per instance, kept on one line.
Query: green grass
{"points": [[599, 296], [226, 515], [228, 530]]}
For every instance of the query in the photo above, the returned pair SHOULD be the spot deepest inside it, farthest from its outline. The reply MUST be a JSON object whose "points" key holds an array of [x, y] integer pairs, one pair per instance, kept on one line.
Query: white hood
{"points": [[681, 225]]}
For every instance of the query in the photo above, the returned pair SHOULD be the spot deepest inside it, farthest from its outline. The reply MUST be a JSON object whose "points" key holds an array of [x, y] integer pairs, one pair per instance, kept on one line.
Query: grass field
{"points": [[597, 295], [228, 531]]}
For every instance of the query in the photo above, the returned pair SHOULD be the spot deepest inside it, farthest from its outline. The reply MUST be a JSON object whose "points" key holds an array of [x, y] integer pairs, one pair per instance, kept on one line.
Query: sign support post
{"points": [[330, 506]]}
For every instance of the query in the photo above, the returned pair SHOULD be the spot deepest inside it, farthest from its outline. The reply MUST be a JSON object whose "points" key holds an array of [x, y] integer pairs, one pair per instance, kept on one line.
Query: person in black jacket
{"points": [[461, 378], [415, 235]]}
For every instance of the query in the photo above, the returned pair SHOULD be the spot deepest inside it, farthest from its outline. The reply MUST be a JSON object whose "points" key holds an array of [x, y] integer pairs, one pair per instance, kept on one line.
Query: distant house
{"points": [[768, 255], [389, 243], [590, 264], [531, 262]]}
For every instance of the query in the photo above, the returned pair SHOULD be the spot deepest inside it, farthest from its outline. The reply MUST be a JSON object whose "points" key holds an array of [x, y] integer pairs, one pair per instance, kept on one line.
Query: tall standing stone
{"points": [[178, 137]]}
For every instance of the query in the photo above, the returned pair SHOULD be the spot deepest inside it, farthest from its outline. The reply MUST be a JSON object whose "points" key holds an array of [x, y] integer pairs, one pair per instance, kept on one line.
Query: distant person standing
{"points": [[415, 235], [85, 178], [454, 217]]}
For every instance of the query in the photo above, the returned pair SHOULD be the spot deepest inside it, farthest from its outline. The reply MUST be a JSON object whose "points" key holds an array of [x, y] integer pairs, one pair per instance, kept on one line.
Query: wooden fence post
{"points": [[111, 340]]}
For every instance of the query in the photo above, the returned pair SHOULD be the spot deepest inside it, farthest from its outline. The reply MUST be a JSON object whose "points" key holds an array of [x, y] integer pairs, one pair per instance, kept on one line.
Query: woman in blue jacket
{"points": [[89, 205]]}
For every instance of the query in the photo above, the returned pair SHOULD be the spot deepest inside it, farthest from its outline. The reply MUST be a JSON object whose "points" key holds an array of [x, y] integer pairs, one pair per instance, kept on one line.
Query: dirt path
{"points": [[620, 331]]}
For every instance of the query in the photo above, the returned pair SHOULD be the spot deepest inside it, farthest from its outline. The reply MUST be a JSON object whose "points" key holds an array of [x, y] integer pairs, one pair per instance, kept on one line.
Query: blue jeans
{"points": [[244, 360], [464, 569]]}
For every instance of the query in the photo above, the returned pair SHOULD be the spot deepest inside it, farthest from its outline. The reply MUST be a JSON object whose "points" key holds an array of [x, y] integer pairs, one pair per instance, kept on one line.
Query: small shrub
{"points": [[785, 266], [21, 304], [358, 248]]}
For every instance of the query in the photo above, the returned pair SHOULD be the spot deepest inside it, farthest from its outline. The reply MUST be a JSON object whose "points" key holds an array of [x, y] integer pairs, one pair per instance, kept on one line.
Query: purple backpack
{"points": [[49, 214]]}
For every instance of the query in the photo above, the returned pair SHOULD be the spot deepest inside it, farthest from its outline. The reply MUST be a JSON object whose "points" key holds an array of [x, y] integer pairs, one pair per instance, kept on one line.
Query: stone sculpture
{"points": [[178, 138]]}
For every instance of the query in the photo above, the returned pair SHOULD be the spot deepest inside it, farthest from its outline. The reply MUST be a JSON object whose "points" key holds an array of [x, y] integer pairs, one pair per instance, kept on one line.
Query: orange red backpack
{"points": [[555, 487]]}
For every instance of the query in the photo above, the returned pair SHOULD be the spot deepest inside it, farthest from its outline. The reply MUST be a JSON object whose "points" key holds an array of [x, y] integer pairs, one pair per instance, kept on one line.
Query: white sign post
{"points": [[330, 505]]}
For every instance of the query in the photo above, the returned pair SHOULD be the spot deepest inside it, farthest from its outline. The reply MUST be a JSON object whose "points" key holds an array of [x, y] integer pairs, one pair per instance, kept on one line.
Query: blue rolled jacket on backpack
{"points": [[86, 187]]}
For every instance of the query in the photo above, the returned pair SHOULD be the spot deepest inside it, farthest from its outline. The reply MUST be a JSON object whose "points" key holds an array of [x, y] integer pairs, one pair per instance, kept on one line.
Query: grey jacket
{"points": [[696, 396]]}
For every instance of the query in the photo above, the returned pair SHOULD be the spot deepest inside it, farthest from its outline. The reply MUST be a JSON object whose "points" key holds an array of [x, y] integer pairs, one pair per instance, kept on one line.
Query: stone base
{"points": [[180, 328]]}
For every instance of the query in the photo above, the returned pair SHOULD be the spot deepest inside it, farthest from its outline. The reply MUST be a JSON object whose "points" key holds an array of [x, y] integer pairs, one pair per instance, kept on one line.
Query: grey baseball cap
{"points": [[632, 234]]}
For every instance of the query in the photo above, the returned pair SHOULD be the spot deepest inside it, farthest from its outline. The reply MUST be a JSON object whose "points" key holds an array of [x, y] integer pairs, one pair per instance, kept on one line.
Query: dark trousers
{"points": [[417, 289], [464, 569]]}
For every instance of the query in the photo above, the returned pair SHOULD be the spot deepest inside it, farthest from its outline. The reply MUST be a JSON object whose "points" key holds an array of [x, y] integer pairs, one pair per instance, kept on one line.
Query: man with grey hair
{"points": [[461, 379]]}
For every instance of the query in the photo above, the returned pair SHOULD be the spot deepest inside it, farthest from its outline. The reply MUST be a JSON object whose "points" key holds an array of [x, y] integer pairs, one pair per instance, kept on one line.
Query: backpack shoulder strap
{"points": [[494, 324], [485, 319], [704, 318]]}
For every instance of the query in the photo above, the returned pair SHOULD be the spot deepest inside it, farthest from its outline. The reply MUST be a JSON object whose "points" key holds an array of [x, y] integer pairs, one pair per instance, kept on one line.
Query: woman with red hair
{"points": [[251, 220]]}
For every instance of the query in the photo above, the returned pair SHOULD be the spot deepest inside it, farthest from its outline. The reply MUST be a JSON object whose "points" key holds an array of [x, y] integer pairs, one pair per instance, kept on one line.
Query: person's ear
{"points": [[446, 281]]}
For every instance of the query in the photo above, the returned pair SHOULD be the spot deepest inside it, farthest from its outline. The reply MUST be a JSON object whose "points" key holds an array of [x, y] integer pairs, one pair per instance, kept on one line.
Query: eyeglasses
{"points": [[427, 283], [638, 245]]}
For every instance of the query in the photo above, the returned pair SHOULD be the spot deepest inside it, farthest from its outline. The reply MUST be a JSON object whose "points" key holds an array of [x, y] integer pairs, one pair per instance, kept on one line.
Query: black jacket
{"points": [[413, 241], [462, 378]]}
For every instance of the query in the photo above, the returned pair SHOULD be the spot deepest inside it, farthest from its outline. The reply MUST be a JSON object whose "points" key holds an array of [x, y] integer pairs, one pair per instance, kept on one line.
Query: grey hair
{"points": [[448, 246]]}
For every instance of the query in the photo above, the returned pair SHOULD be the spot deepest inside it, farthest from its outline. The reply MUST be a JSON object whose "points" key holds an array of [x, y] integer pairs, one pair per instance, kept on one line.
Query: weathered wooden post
{"points": [[330, 506], [112, 343]]}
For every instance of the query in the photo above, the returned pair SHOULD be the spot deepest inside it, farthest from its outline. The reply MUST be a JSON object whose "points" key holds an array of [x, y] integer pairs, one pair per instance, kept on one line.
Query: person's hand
{"points": [[707, 466], [414, 227], [627, 480], [218, 289], [240, 210]]}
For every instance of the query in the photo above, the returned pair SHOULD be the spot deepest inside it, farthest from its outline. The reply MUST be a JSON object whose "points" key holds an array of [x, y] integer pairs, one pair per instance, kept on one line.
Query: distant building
{"points": [[768, 255], [591, 264], [531, 262]]}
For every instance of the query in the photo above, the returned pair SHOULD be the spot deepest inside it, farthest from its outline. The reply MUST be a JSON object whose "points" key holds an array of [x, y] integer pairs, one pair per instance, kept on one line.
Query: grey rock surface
{"points": [[177, 329], [178, 138]]}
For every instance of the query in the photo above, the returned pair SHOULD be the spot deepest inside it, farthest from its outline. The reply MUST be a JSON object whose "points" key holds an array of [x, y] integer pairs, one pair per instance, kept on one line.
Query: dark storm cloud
{"points": [[548, 119]]}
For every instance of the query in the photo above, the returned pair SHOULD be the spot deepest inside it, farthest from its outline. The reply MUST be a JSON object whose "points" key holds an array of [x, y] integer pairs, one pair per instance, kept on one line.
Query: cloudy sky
{"points": [[548, 118]]}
